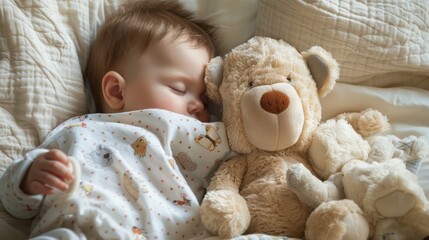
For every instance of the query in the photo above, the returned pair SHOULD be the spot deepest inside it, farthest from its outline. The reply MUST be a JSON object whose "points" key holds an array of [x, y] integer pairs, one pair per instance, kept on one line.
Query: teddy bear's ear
{"points": [[213, 79], [323, 67]]}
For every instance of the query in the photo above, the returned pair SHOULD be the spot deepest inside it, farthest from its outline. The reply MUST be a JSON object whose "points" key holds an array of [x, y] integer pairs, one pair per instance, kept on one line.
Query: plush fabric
{"points": [[271, 108]]}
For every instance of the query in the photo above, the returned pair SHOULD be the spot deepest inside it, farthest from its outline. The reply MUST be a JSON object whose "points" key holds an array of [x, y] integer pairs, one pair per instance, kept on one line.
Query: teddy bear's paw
{"points": [[371, 122], [395, 204], [225, 213], [306, 186], [337, 220]]}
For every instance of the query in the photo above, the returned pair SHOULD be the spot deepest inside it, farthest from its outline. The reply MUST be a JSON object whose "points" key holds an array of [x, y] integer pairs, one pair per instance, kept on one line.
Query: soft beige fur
{"points": [[270, 100], [370, 171]]}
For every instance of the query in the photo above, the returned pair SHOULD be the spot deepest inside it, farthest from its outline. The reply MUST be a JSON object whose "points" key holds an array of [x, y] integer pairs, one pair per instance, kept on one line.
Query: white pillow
{"points": [[234, 19], [378, 43]]}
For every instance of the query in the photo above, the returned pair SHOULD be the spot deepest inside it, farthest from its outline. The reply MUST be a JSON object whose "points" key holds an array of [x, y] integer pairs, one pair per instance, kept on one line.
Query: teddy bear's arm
{"points": [[229, 175], [310, 189]]}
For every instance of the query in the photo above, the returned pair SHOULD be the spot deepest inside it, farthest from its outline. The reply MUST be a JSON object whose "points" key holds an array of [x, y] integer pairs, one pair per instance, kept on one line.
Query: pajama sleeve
{"points": [[14, 200]]}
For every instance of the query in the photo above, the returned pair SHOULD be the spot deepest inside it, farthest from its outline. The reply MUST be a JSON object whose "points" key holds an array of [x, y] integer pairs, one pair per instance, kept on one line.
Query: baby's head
{"points": [[150, 54]]}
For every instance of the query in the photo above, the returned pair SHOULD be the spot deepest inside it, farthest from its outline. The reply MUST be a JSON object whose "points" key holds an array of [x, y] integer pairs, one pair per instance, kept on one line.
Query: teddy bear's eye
{"points": [[289, 78], [250, 84]]}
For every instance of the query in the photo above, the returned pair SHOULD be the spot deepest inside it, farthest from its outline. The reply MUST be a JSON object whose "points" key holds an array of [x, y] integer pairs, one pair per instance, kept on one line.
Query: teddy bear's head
{"points": [[270, 92]]}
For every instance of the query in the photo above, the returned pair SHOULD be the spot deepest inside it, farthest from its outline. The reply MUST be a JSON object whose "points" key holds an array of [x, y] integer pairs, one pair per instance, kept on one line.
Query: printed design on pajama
{"points": [[143, 175]]}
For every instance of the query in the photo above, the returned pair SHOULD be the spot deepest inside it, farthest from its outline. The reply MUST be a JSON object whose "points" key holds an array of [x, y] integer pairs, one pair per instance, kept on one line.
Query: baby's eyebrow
{"points": [[178, 76]]}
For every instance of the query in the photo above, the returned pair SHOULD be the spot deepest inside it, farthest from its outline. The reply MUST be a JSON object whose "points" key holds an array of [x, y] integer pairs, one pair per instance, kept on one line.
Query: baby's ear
{"points": [[112, 86], [213, 79], [323, 67]]}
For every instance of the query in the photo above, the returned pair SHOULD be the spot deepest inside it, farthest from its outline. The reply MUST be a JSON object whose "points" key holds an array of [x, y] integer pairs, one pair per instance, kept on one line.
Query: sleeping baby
{"points": [[139, 168]]}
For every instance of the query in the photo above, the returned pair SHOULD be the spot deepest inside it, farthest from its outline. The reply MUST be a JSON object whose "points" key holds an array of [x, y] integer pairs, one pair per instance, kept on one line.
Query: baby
{"points": [[137, 169]]}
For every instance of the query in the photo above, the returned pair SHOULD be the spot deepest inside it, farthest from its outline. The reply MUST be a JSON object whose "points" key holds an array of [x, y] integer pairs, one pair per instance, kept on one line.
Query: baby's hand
{"points": [[48, 171]]}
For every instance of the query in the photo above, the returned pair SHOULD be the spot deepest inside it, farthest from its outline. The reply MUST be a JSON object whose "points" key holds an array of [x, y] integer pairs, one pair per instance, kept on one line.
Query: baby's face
{"points": [[169, 75]]}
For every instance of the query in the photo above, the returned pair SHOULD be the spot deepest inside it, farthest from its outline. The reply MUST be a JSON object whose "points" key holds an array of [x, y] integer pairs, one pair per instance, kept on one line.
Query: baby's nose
{"points": [[195, 106], [197, 110]]}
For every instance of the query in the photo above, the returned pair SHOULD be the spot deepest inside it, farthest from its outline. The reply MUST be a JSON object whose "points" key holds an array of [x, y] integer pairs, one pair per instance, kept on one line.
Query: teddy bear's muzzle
{"points": [[273, 116]]}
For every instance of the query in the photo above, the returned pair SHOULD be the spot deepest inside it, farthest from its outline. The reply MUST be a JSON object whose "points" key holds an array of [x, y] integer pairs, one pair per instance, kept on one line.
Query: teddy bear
{"points": [[369, 187], [269, 94]]}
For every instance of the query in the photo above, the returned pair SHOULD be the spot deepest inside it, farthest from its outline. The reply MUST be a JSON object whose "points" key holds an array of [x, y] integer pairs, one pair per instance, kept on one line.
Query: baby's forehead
{"points": [[158, 52]]}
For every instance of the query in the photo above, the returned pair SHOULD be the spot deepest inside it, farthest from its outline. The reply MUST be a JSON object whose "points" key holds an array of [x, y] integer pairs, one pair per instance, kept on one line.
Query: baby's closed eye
{"points": [[178, 90]]}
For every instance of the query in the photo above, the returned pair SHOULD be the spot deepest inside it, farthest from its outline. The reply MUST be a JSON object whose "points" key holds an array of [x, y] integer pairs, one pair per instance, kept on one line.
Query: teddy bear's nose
{"points": [[274, 102]]}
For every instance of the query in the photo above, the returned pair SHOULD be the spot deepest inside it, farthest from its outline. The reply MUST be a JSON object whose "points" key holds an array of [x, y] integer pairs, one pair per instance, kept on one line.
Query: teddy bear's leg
{"points": [[224, 211], [311, 190], [337, 220], [367, 122]]}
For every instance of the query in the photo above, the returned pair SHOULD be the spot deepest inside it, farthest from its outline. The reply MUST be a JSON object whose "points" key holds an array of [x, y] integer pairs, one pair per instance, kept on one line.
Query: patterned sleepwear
{"points": [[142, 176]]}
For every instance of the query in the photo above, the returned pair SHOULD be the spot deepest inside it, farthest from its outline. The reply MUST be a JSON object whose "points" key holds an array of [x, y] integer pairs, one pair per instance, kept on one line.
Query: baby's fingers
{"points": [[51, 181], [56, 168], [40, 188], [57, 155]]}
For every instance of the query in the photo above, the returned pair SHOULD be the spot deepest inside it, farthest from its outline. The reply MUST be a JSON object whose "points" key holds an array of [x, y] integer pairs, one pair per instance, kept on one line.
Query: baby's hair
{"points": [[138, 24]]}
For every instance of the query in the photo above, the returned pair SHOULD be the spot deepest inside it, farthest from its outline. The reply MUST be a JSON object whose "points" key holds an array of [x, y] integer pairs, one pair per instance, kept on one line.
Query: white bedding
{"points": [[378, 43], [44, 45]]}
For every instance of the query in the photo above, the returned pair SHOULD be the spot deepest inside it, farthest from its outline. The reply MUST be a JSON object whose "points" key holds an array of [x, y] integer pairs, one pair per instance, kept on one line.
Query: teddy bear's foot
{"points": [[225, 213], [395, 204], [337, 220], [309, 189]]}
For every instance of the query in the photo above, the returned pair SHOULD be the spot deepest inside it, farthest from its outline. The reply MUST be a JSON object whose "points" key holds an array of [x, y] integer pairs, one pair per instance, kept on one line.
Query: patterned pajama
{"points": [[142, 176]]}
